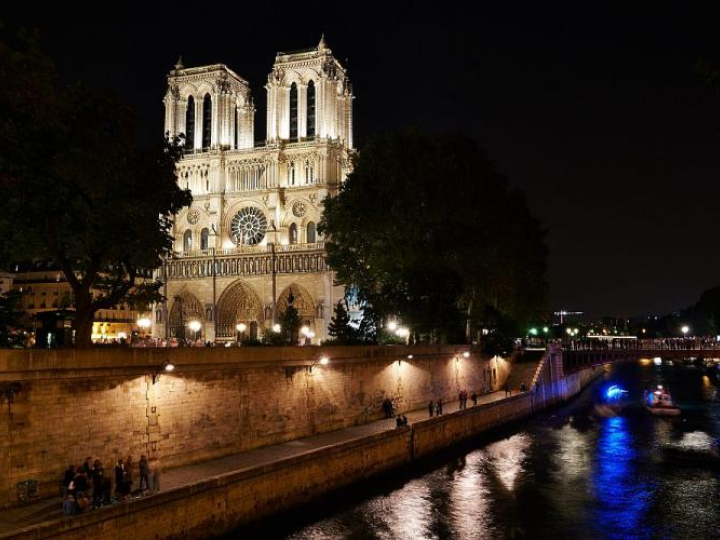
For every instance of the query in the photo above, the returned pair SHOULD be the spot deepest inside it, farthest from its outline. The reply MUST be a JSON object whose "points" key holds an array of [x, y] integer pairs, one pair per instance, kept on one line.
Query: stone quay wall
{"points": [[217, 505], [59, 406]]}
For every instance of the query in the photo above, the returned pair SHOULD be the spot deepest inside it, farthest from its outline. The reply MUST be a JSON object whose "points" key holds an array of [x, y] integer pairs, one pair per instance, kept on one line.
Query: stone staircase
{"points": [[523, 370]]}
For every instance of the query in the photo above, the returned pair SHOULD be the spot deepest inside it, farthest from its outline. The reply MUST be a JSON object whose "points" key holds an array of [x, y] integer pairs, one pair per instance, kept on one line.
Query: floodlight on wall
{"points": [[322, 360], [166, 367]]}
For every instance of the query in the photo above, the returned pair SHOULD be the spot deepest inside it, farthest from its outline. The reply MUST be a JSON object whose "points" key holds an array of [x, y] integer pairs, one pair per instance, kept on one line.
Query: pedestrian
{"points": [[431, 408], [67, 478], [68, 505], [522, 387], [98, 476], [404, 421], [128, 475], [438, 408], [507, 390], [120, 479], [86, 466], [474, 398], [144, 473], [156, 472], [399, 421]]}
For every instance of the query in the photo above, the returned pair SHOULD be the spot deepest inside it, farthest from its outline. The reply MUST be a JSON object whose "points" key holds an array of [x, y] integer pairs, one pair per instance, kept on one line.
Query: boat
{"points": [[659, 402], [613, 401]]}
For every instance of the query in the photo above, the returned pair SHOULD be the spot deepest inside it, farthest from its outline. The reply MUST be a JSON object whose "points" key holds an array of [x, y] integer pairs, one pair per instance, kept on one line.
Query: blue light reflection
{"points": [[623, 500]]}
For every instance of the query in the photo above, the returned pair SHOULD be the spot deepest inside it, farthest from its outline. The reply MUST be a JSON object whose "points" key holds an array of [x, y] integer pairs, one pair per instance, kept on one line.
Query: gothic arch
{"points": [[303, 302], [238, 303], [186, 307]]}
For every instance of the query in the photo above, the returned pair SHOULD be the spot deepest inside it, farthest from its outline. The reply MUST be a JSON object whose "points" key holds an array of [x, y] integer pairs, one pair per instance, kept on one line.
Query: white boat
{"points": [[660, 403]]}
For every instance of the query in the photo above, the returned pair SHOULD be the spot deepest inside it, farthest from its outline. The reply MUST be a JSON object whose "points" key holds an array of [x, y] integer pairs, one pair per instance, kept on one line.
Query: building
{"points": [[6, 282], [249, 243], [45, 289]]}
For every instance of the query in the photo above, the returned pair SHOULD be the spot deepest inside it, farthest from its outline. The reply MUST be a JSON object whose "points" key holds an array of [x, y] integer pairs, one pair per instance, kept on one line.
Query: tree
{"points": [[75, 188], [343, 332], [429, 231], [11, 317], [290, 322]]}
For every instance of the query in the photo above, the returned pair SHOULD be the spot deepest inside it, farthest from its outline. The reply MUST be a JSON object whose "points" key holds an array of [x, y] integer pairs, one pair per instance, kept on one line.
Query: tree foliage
{"points": [[429, 232], [75, 188], [343, 331], [11, 320]]}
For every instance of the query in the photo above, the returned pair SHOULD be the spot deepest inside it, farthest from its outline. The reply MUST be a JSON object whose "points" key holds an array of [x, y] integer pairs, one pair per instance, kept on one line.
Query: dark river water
{"points": [[574, 472]]}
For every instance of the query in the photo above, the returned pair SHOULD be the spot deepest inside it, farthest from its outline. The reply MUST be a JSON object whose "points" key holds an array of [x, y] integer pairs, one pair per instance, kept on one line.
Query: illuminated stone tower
{"points": [[249, 242]]}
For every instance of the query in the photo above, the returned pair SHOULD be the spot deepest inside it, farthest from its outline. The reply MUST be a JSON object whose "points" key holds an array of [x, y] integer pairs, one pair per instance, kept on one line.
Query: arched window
{"points": [[311, 233], [293, 111], [237, 126], [291, 173], [311, 109], [207, 121], [293, 234], [204, 239], [187, 240], [190, 124]]}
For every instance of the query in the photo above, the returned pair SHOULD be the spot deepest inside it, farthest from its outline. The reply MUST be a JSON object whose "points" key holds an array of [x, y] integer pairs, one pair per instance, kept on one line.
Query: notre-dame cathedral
{"points": [[249, 240]]}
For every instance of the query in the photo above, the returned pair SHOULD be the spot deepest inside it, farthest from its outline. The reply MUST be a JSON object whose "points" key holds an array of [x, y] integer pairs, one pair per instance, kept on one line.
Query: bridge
{"points": [[581, 353]]}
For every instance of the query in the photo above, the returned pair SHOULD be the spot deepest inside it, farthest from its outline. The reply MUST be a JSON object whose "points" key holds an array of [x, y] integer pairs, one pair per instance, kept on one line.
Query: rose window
{"points": [[249, 226]]}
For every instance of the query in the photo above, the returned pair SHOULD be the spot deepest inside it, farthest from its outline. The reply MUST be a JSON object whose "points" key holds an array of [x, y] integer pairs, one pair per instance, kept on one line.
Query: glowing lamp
{"points": [[195, 326], [276, 328]]}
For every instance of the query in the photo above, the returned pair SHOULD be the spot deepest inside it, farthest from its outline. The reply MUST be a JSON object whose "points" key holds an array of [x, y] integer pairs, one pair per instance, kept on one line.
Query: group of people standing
{"points": [[79, 484]]}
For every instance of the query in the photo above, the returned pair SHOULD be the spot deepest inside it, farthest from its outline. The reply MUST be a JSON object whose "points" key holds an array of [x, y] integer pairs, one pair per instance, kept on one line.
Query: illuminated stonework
{"points": [[257, 204]]}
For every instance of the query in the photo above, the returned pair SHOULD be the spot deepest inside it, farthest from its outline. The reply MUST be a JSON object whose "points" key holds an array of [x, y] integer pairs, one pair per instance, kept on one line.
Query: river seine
{"points": [[575, 472]]}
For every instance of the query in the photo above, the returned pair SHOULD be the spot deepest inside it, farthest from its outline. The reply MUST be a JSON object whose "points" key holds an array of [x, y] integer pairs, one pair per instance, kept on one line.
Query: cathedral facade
{"points": [[248, 245]]}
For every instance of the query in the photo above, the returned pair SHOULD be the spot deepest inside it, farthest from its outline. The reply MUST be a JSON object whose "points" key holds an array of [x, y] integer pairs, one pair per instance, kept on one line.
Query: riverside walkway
{"points": [[15, 519]]}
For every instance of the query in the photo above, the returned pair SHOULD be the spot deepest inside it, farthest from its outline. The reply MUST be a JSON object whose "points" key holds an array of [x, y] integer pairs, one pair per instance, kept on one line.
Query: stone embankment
{"points": [[218, 504]]}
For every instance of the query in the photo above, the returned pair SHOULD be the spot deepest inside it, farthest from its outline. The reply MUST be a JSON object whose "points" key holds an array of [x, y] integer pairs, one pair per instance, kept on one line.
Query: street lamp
{"points": [[240, 327], [392, 326], [309, 334], [195, 326], [144, 323], [685, 329], [276, 328]]}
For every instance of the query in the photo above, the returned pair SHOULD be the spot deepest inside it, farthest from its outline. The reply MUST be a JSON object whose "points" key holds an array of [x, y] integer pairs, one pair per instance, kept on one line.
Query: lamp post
{"points": [[195, 326], [685, 329], [240, 327], [309, 334], [144, 323]]}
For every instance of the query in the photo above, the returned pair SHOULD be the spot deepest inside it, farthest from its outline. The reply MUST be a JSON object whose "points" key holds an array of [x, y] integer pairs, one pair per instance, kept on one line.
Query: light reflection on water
{"points": [[567, 474]]}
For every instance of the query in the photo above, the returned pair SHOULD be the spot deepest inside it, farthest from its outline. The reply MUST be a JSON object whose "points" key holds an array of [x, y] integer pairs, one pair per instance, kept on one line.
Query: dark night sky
{"points": [[597, 112]]}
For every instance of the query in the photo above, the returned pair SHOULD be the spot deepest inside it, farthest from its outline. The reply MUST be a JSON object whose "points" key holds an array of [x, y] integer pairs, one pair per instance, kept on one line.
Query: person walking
{"points": [[438, 408], [474, 398], [507, 390], [144, 473], [431, 408]]}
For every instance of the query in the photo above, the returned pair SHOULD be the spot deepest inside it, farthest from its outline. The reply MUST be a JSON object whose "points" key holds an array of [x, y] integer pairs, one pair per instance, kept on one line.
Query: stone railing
{"points": [[249, 261]]}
